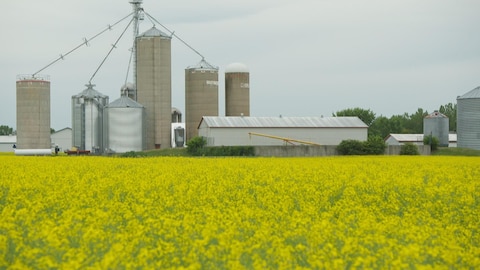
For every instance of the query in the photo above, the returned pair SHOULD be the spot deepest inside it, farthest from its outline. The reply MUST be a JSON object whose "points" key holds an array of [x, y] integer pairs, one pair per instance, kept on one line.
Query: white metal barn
{"points": [[235, 131], [62, 138], [7, 142], [401, 139]]}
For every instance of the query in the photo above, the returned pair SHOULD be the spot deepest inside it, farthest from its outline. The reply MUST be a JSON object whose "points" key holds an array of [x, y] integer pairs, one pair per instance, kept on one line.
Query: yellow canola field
{"points": [[240, 213]]}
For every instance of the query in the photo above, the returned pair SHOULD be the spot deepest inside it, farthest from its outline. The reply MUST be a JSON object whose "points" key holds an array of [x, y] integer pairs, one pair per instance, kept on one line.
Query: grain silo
{"points": [[154, 85], [201, 95], [33, 112], [124, 125], [437, 125], [237, 90], [87, 120], [468, 120]]}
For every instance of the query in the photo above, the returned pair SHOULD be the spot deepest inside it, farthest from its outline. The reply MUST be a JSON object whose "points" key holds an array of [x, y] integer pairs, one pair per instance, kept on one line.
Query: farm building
{"points": [[242, 130], [7, 142], [400, 139], [62, 138]]}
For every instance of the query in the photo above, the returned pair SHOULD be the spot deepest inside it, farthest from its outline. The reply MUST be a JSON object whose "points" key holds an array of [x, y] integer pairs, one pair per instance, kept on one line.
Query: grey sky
{"points": [[306, 57]]}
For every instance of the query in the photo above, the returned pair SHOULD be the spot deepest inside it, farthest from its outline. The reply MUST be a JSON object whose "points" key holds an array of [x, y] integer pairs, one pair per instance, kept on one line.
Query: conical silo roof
{"points": [[125, 102], [90, 93], [154, 32], [436, 114], [475, 93], [203, 65]]}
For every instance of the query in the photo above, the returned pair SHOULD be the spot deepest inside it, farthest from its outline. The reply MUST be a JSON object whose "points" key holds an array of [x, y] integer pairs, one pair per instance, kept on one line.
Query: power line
{"points": [[85, 42], [173, 34], [110, 51]]}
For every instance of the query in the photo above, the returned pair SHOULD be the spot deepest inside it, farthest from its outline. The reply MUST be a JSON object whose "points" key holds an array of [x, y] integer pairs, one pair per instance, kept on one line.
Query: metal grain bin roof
{"points": [[154, 32], [436, 114], [90, 93], [284, 122], [475, 93], [125, 102], [203, 65]]}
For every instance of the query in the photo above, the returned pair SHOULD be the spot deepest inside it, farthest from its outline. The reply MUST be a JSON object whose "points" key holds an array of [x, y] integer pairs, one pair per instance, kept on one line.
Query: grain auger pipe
{"points": [[286, 140]]}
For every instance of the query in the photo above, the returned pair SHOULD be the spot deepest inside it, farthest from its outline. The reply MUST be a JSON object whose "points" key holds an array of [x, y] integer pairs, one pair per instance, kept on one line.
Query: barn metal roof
{"points": [[283, 122], [475, 93], [8, 139], [416, 137]]}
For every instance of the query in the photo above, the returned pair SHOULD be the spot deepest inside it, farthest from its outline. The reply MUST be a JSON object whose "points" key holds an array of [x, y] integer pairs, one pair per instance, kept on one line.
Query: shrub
{"points": [[195, 145], [432, 141], [373, 146], [351, 147], [409, 149]]}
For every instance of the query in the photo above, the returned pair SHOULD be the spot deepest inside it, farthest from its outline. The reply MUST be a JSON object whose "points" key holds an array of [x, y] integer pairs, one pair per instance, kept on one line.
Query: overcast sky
{"points": [[306, 57]]}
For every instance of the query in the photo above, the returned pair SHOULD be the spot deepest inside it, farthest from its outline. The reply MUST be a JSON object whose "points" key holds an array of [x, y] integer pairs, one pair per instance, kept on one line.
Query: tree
{"points": [[383, 126], [450, 110], [414, 123], [432, 141], [6, 130], [367, 116]]}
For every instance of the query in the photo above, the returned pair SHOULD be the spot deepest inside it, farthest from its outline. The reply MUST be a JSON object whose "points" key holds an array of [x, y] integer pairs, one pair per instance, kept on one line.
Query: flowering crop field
{"points": [[240, 213]]}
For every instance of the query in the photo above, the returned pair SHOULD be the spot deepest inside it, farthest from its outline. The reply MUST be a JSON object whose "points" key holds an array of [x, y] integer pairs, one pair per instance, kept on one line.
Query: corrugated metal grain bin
{"points": [[87, 120], [437, 125], [468, 120], [125, 125]]}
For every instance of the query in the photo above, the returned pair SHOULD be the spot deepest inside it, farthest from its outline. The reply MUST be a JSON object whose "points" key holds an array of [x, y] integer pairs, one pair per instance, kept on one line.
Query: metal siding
{"points": [[63, 138], [468, 123], [239, 136], [438, 127], [125, 129]]}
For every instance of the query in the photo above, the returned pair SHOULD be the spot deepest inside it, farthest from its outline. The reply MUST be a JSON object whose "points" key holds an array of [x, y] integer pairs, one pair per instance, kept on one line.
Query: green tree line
{"points": [[405, 123]]}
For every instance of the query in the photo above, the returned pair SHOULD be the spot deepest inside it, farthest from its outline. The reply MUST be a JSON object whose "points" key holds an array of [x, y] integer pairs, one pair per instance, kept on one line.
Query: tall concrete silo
{"points": [[33, 112], [125, 125], [201, 95], [237, 90], [154, 85], [468, 120], [437, 125], [87, 120]]}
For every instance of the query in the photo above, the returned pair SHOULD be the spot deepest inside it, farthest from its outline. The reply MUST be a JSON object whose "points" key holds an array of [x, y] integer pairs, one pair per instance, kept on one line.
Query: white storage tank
{"points": [[125, 125], [468, 120], [437, 125], [87, 120]]}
